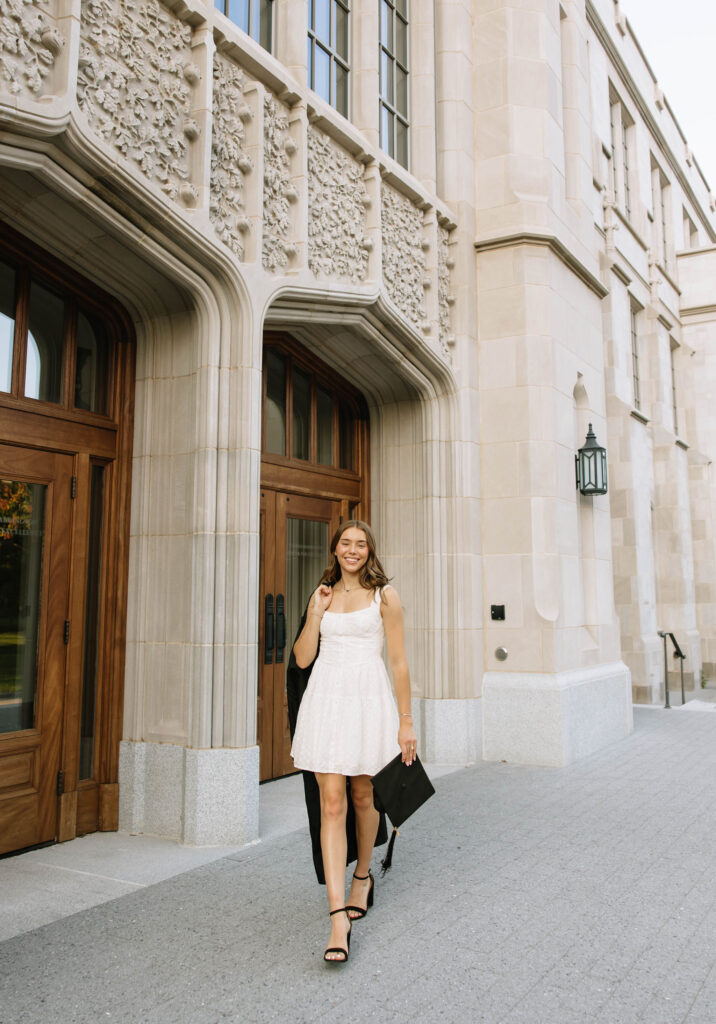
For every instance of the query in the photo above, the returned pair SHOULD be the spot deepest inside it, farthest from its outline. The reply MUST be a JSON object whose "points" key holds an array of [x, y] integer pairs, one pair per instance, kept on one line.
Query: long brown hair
{"points": [[372, 574]]}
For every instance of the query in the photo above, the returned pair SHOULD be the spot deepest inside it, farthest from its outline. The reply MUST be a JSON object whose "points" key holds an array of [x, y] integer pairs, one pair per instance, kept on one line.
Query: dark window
{"points": [[328, 46], [321, 423], [394, 79], [254, 17]]}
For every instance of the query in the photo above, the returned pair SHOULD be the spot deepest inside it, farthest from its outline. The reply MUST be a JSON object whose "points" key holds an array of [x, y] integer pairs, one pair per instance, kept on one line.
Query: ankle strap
{"points": [[341, 910], [362, 878]]}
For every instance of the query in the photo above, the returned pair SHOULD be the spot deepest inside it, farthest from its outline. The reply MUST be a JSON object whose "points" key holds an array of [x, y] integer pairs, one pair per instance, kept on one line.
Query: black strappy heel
{"points": [[339, 949], [362, 911]]}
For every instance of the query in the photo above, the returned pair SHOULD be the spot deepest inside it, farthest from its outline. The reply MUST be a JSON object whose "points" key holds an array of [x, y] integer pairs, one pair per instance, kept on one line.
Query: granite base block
{"points": [[199, 797], [553, 720], [449, 731]]}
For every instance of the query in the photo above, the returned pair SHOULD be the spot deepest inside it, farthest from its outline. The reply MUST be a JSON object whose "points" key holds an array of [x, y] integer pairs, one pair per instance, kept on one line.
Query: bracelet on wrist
{"points": [[405, 714]]}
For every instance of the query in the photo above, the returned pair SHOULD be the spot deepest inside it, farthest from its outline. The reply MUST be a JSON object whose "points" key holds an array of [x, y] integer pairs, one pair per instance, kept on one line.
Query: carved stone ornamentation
{"points": [[135, 84], [403, 254], [444, 297], [29, 45], [279, 192], [337, 200], [229, 160]]}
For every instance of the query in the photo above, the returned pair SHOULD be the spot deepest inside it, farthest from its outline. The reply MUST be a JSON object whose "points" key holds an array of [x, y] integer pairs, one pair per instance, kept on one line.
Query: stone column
{"points": [[562, 690]]}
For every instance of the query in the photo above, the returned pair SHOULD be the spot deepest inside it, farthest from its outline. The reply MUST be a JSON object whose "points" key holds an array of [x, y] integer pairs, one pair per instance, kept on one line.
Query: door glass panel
{"points": [[324, 417], [92, 610], [45, 337], [92, 364], [306, 558], [301, 415], [7, 324], [275, 403], [22, 527], [346, 438]]}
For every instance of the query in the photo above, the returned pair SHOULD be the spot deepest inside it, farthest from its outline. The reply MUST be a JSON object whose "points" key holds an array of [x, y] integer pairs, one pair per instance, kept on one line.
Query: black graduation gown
{"points": [[296, 683]]}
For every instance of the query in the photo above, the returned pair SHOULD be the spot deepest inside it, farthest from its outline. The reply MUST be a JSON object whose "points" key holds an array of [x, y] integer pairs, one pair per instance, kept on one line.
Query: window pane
{"points": [[92, 365], [402, 7], [301, 415], [346, 438], [22, 529], [386, 77], [341, 31], [401, 92], [309, 62], [92, 609], [45, 337], [386, 131], [341, 89], [324, 418], [322, 74], [7, 325], [238, 11], [401, 142], [322, 26], [266, 23], [401, 42], [275, 427], [386, 26]]}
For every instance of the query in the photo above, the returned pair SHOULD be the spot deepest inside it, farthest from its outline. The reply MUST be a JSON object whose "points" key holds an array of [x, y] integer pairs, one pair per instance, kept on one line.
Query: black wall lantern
{"points": [[591, 463]]}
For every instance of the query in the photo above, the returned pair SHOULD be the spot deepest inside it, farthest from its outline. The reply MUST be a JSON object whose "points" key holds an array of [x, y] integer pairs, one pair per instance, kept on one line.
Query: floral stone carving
{"points": [[279, 193], [403, 254], [229, 160], [134, 85], [444, 297], [337, 201], [29, 45]]}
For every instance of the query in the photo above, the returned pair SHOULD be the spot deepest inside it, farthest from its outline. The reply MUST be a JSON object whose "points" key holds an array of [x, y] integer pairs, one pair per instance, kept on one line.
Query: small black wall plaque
{"points": [[497, 612]]}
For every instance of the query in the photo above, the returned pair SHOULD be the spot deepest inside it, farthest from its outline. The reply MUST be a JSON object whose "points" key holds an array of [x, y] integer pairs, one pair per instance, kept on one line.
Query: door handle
{"points": [[280, 629], [268, 630]]}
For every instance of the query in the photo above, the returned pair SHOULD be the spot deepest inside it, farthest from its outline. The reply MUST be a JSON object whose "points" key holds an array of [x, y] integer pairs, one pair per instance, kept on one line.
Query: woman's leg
{"points": [[334, 805], [367, 819]]}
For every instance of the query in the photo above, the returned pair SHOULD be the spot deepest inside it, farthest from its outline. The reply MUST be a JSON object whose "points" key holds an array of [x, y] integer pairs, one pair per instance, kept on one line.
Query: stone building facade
{"points": [[381, 258]]}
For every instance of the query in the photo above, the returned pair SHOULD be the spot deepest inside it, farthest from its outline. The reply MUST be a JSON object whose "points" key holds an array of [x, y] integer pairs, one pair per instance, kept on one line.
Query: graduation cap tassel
{"points": [[388, 859]]}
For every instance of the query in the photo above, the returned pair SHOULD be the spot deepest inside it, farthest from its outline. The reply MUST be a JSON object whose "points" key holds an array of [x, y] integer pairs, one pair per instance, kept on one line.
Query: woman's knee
{"points": [[362, 796], [333, 804]]}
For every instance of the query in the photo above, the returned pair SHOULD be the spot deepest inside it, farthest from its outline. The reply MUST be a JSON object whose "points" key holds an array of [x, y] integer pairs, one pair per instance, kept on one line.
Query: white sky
{"points": [[679, 40]]}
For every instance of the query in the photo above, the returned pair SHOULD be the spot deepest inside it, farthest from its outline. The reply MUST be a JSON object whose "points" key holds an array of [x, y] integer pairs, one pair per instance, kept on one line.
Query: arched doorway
{"points": [[66, 375], [314, 474]]}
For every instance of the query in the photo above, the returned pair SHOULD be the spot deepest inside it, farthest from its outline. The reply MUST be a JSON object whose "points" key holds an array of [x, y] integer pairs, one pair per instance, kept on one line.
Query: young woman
{"points": [[348, 725]]}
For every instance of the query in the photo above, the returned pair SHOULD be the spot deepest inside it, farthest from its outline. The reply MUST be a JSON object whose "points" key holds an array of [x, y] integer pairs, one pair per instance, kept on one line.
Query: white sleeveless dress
{"points": [[348, 721]]}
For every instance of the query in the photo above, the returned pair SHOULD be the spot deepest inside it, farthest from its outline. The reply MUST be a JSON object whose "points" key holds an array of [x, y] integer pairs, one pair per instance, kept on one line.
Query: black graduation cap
{"points": [[399, 790]]}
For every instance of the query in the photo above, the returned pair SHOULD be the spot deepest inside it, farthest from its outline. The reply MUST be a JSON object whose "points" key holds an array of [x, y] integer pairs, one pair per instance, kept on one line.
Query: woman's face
{"points": [[352, 550]]}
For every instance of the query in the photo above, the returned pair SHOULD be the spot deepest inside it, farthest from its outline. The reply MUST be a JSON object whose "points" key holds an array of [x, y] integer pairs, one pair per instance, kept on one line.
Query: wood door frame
{"points": [[42, 740], [91, 438], [289, 476]]}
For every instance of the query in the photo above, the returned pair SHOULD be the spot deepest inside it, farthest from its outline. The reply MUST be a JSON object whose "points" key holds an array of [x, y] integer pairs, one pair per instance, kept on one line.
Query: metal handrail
{"points": [[678, 653]]}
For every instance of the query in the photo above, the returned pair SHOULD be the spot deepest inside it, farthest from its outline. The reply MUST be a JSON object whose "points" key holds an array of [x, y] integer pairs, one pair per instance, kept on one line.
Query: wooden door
{"points": [[35, 535], [295, 534]]}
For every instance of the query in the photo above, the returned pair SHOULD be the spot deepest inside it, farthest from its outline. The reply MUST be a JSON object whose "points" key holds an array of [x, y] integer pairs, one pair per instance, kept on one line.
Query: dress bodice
{"points": [[354, 636]]}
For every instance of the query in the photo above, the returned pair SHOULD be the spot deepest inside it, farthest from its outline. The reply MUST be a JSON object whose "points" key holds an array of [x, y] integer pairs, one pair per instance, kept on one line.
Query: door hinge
{"points": [[66, 631], [73, 487], [60, 783]]}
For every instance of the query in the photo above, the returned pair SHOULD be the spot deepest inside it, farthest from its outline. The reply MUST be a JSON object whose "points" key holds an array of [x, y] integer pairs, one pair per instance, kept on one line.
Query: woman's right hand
{"points": [[322, 597]]}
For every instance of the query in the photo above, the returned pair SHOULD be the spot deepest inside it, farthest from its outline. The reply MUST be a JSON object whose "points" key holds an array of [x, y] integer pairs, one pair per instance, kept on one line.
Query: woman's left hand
{"points": [[408, 742]]}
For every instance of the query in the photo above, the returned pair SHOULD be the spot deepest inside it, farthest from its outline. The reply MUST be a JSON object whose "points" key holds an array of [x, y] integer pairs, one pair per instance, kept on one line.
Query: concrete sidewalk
{"points": [[518, 895]]}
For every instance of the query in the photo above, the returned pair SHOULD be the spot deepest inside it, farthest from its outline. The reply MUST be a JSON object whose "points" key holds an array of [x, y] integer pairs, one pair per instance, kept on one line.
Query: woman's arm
{"points": [[392, 612], [307, 644]]}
